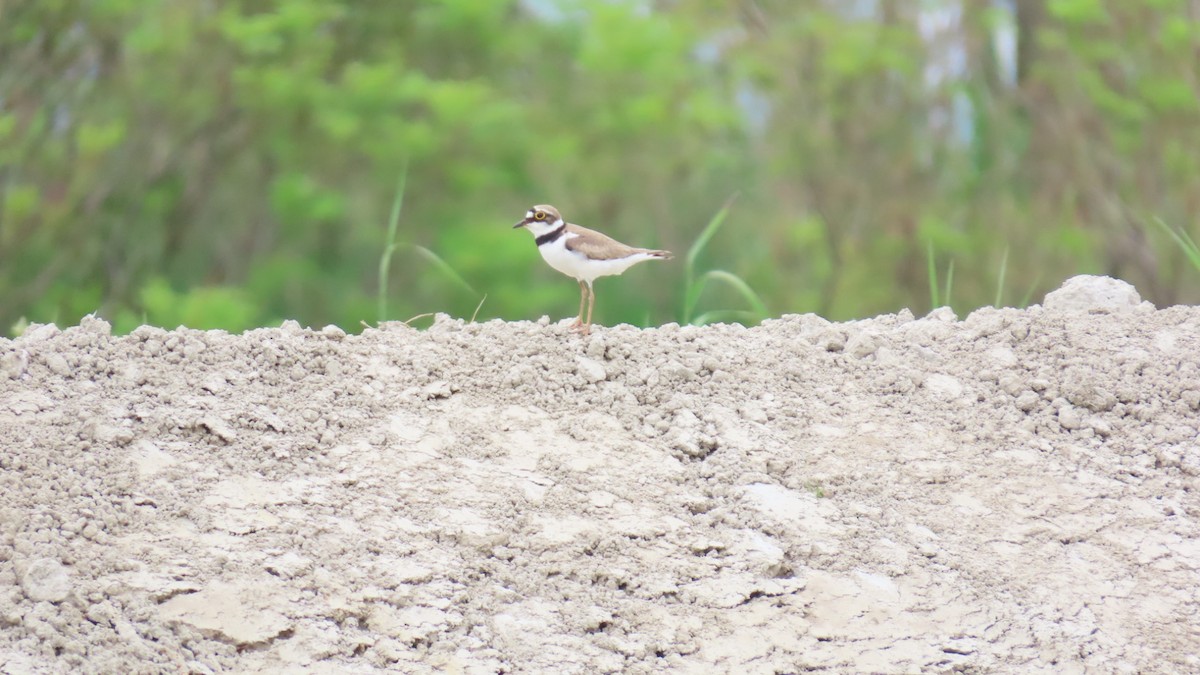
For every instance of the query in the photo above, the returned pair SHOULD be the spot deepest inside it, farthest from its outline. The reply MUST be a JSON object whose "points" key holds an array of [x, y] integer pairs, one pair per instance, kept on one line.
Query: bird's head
{"points": [[540, 220]]}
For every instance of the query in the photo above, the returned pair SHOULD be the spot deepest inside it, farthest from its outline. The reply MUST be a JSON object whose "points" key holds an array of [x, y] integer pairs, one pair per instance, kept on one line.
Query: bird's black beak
{"points": [[523, 223]]}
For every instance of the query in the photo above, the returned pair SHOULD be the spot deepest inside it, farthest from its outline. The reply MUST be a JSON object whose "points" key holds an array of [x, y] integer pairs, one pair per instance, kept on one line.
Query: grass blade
{"points": [[478, 307], [1000, 281], [738, 284], [1188, 245], [691, 291], [758, 309], [1029, 294], [389, 244], [714, 224], [442, 266], [933, 280], [949, 280]]}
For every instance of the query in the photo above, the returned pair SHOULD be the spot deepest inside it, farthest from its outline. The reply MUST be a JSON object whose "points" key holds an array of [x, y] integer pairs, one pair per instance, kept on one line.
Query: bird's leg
{"points": [[587, 326], [582, 299]]}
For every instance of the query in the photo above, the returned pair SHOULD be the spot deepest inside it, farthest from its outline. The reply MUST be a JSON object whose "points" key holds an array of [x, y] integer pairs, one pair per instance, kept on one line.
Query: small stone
{"points": [[289, 565], [215, 384], [832, 340], [1028, 401], [199, 668], [217, 427], [590, 370], [242, 614], [46, 580], [93, 324], [596, 347], [1083, 390], [1003, 356], [1192, 398], [444, 323], [862, 345], [144, 333], [754, 414], [944, 386], [1012, 385], [1086, 293], [57, 364], [14, 363], [35, 332], [1070, 418], [601, 499], [944, 314], [390, 649]]}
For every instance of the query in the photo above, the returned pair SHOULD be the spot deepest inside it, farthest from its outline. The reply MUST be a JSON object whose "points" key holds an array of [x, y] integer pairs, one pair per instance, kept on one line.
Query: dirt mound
{"points": [[1017, 491]]}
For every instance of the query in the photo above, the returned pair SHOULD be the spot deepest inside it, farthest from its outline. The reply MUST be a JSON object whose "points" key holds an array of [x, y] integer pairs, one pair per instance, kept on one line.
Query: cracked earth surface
{"points": [[1013, 492]]}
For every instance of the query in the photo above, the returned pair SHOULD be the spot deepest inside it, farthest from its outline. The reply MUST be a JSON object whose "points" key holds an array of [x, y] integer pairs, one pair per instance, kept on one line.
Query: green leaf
{"points": [[1078, 11], [8, 122], [1169, 94], [21, 201], [97, 138]]}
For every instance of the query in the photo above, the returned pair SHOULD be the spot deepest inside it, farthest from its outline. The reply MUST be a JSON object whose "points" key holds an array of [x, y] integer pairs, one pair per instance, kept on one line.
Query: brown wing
{"points": [[595, 245], [599, 246]]}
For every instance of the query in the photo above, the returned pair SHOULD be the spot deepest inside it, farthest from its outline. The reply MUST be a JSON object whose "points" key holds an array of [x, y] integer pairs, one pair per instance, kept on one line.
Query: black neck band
{"points": [[551, 235]]}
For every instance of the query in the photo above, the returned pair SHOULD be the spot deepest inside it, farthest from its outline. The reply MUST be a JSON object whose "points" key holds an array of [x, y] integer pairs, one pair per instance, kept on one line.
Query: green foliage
{"points": [[228, 164], [203, 308]]}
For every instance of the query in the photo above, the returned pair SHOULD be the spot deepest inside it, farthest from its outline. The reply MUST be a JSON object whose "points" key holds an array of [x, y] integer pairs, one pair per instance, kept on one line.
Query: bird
{"points": [[581, 253]]}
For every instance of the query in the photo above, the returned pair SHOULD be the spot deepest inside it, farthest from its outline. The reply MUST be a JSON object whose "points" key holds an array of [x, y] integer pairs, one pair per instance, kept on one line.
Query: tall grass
{"points": [[694, 284], [391, 246]]}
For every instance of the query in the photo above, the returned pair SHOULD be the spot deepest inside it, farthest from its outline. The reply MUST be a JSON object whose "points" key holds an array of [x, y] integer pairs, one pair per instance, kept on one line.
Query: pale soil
{"points": [[1015, 492]]}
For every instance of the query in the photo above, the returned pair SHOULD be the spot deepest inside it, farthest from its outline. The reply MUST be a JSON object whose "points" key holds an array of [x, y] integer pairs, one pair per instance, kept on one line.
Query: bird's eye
{"points": [[540, 215]]}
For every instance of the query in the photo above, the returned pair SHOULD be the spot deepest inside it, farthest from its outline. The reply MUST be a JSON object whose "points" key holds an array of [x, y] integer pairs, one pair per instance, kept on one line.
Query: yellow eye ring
{"points": [[540, 215]]}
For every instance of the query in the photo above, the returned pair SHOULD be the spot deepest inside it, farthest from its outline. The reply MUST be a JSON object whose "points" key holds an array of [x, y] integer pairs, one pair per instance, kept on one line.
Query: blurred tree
{"points": [[228, 163]]}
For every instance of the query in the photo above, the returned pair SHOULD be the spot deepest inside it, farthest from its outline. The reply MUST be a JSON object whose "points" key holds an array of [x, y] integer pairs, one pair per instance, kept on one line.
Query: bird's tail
{"points": [[665, 255]]}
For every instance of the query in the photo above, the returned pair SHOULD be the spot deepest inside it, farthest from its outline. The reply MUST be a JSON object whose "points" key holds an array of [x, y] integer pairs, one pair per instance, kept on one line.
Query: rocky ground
{"points": [[1018, 491]]}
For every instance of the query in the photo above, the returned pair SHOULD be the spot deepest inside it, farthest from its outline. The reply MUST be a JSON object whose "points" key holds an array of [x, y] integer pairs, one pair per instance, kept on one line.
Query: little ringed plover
{"points": [[581, 253]]}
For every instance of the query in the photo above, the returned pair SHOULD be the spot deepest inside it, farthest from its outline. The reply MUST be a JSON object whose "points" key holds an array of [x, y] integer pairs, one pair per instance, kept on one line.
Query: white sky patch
{"points": [[939, 26], [1004, 39], [558, 11]]}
